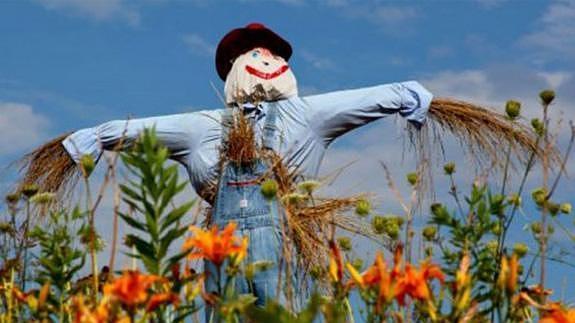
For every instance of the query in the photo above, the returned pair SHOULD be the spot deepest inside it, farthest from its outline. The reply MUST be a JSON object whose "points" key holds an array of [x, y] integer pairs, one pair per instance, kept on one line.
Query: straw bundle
{"points": [[240, 144], [483, 132], [50, 167]]}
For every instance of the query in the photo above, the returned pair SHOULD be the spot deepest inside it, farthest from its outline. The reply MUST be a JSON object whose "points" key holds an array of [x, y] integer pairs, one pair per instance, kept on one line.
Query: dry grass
{"points": [[484, 132], [50, 167], [240, 146]]}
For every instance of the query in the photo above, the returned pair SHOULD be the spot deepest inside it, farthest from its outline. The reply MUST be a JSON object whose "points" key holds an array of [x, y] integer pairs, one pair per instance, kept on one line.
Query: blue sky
{"points": [[69, 64]]}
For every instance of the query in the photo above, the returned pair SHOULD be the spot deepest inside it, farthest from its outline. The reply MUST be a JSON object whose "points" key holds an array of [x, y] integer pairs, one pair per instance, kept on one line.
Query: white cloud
{"points": [[490, 4], [440, 52], [385, 15], [99, 10], [317, 61], [555, 35], [20, 127], [494, 85], [198, 45]]}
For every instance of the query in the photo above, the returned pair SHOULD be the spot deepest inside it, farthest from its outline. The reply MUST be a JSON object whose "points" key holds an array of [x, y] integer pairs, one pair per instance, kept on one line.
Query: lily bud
{"points": [[547, 96]]}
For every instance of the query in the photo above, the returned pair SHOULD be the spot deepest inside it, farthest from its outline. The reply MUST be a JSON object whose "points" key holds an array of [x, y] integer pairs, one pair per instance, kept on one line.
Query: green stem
{"points": [[92, 233]]}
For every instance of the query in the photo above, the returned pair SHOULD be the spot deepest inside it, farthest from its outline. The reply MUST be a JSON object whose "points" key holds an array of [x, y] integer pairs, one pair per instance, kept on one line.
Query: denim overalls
{"points": [[239, 199]]}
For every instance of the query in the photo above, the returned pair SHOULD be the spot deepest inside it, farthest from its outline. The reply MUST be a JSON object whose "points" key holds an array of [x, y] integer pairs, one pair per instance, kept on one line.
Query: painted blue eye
{"points": [[255, 54]]}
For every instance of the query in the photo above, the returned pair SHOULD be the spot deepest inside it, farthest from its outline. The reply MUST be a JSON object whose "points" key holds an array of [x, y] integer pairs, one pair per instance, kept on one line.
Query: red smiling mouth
{"points": [[266, 76]]}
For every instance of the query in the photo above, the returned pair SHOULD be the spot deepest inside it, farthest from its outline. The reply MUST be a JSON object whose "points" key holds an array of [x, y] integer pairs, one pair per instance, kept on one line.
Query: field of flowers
{"points": [[470, 270]]}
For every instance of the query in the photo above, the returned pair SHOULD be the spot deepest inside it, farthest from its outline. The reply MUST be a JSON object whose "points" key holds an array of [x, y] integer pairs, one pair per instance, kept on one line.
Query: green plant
{"points": [[151, 194]]}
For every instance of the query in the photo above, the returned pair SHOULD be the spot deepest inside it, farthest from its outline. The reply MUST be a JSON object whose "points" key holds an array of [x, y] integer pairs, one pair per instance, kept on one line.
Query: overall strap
{"points": [[271, 139], [227, 120]]}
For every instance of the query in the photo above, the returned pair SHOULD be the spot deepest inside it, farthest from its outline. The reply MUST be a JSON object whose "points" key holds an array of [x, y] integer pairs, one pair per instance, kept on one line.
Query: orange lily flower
{"points": [[513, 273], [397, 282], [509, 273], [131, 288], [413, 282], [215, 245], [557, 314], [160, 299], [84, 315], [375, 276], [335, 263]]}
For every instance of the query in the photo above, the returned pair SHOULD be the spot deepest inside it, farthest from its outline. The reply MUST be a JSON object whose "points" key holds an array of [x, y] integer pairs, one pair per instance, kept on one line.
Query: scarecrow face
{"points": [[259, 75]]}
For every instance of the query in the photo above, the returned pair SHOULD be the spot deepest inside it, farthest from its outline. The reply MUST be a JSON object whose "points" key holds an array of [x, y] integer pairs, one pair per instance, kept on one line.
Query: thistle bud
{"points": [[378, 224], [514, 199], [536, 227], [547, 96], [6, 227], [269, 189], [449, 168], [357, 263], [566, 208], [496, 229], [512, 108], [43, 198], [537, 126], [30, 190], [492, 245], [539, 195], [316, 272], [293, 199], [308, 187], [392, 230], [12, 199], [399, 220], [362, 207], [520, 249], [87, 165], [429, 232], [553, 208], [129, 241], [344, 243], [412, 178]]}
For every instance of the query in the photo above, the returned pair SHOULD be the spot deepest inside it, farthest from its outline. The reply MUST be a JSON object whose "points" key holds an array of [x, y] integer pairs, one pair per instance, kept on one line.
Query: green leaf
{"points": [[176, 214], [132, 222]]}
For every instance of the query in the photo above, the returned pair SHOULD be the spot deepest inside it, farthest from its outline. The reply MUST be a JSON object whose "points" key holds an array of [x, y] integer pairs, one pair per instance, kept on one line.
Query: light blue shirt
{"points": [[306, 126]]}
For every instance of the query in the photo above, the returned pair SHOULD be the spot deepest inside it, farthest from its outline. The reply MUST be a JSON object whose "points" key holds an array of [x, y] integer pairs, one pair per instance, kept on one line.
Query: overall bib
{"points": [[239, 199]]}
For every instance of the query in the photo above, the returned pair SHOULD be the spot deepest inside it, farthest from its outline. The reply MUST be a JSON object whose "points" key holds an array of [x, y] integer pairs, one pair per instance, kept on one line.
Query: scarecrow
{"points": [[268, 131]]}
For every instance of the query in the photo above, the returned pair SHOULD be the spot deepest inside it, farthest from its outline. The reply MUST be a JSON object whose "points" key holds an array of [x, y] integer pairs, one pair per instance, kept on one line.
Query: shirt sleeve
{"points": [[180, 133], [333, 114]]}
